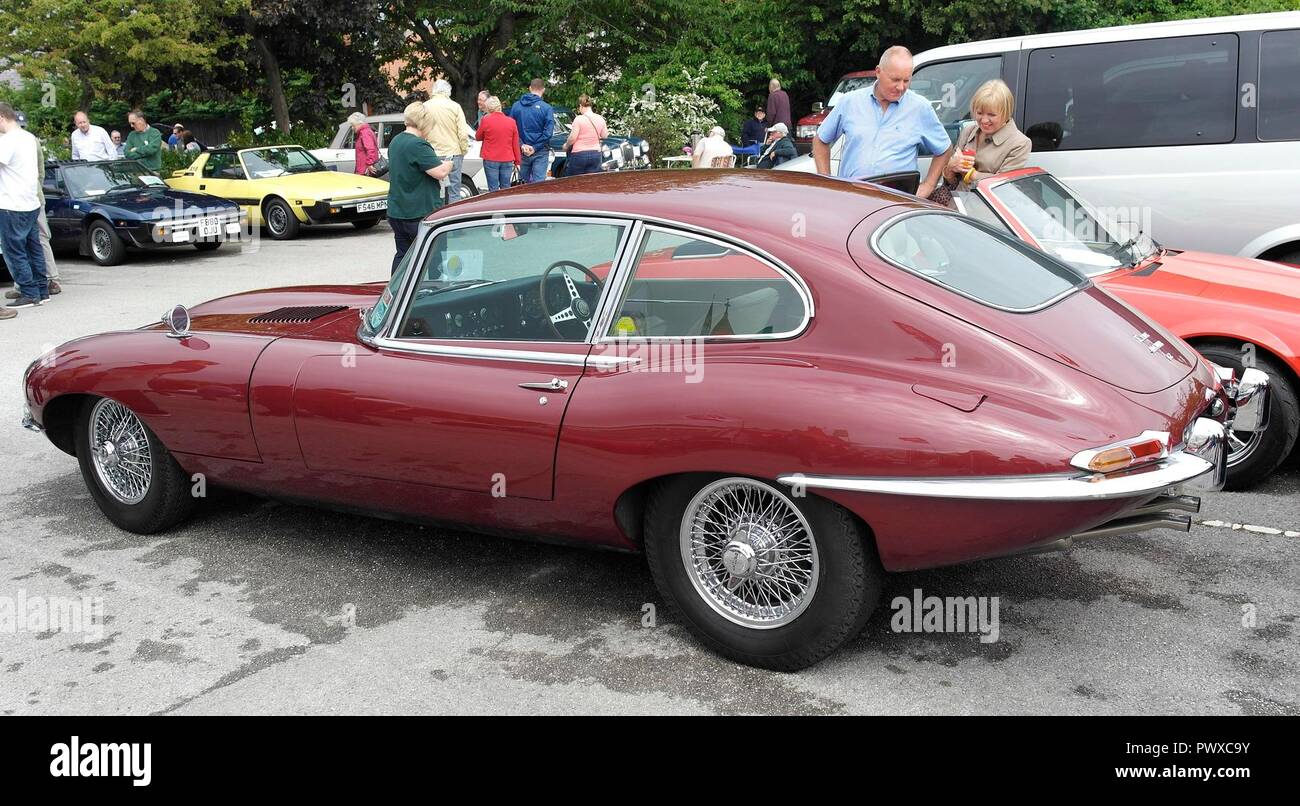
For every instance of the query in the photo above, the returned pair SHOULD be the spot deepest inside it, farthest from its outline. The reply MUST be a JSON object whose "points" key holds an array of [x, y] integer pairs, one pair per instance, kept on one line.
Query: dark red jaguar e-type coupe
{"points": [[777, 387]]}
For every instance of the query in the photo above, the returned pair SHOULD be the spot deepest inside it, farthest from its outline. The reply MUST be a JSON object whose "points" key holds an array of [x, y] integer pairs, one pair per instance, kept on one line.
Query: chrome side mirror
{"points": [[177, 321]]}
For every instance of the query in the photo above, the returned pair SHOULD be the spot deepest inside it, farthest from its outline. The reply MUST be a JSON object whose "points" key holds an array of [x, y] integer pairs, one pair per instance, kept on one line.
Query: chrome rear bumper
{"points": [[1201, 462]]}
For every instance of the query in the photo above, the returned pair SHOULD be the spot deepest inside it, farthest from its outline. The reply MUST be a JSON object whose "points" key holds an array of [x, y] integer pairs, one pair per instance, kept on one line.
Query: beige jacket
{"points": [[449, 135], [1004, 150]]}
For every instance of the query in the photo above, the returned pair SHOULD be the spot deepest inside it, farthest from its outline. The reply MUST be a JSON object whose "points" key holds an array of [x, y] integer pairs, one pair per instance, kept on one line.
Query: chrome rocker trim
{"points": [[1205, 454]]}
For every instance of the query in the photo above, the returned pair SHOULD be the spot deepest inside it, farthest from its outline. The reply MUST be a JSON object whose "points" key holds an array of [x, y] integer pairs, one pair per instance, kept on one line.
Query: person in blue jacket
{"points": [[536, 122]]}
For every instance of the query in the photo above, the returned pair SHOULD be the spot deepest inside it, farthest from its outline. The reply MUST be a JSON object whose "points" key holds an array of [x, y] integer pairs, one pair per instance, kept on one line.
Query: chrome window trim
{"points": [[790, 276], [667, 222], [880, 230], [430, 233], [578, 359]]}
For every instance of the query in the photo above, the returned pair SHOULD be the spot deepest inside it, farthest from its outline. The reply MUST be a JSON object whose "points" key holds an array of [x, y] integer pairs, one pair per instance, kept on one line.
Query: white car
{"points": [[342, 156], [1192, 124]]}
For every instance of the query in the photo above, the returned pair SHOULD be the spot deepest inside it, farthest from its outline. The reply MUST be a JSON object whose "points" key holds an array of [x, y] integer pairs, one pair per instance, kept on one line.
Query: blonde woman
{"points": [[414, 178], [992, 143]]}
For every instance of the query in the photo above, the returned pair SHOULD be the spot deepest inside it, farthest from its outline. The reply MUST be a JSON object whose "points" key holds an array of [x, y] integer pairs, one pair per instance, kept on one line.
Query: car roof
{"points": [[761, 207], [1118, 33]]}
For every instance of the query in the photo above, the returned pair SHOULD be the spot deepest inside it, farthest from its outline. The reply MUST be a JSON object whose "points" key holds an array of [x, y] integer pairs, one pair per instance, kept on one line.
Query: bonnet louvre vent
{"points": [[303, 313]]}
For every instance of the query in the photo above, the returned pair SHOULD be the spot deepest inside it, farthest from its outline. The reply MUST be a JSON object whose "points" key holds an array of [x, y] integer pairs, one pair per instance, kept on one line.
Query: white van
{"points": [[1194, 122]]}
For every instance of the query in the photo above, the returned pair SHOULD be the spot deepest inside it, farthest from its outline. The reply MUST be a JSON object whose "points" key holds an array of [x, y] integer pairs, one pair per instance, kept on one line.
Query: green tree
{"points": [[121, 48]]}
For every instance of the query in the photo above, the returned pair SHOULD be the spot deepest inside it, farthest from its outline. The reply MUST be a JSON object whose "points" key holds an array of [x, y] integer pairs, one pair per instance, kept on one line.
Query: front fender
{"points": [[191, 392]]}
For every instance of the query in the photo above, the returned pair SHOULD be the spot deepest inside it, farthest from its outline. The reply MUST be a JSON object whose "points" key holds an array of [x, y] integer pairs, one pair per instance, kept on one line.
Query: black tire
{"points": [[1279, 438], [208, 246], [280, 222], [366, 224], [103, 244], [467, 184], [848, 582], [166, 500]]}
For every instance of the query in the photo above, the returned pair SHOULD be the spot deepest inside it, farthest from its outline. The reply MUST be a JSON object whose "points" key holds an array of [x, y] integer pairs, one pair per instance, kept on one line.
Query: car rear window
{"points": [[973, 260]]}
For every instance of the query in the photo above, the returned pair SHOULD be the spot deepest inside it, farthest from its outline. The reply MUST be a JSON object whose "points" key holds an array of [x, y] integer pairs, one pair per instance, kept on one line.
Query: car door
{"points": [[64, 221], [223, 175], [476, 358]]}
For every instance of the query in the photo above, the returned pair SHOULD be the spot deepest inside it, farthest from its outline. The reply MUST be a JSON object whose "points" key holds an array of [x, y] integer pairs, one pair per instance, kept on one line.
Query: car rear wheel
{"points": [[762, 578], [367, 224], [130, 474], [1253, 456], [280, 221], [106, 248]]}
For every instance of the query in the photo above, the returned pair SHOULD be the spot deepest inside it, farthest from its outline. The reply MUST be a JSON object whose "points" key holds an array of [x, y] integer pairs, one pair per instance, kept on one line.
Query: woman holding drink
{"points": [[991, 144]]}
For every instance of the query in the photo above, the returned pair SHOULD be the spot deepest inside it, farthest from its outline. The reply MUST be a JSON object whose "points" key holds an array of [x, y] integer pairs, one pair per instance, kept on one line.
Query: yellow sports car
{"points": [[284, 187]]}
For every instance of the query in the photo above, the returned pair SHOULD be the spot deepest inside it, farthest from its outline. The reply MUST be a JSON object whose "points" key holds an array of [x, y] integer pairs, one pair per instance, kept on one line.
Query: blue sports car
{"points": [[101, 208]]}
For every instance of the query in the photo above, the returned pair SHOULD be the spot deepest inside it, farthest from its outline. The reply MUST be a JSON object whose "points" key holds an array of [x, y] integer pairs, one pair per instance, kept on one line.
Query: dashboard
{"points": [[485, 309]]}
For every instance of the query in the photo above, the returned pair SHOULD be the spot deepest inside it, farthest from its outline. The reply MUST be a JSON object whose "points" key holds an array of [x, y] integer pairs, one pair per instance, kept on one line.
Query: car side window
{"points": [[949, 86], [388, 131], [513, 280], [1168, 92], [970, 204], [223, 165], [1279, 92], [687, 286]]}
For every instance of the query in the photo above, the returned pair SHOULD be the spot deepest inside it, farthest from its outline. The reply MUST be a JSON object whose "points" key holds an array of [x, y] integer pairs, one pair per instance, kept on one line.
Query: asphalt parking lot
{"points": [[257, 607]]}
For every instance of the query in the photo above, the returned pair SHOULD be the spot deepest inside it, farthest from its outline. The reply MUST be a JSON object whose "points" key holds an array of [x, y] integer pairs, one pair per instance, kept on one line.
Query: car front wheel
{"points": [[759, 576], [130, 474], [106, 248], [280, 221], [1252, 456]]}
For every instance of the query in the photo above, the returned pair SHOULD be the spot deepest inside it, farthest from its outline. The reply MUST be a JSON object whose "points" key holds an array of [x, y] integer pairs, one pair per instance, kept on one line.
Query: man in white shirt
{"points": [[19, 203], [710, 148], [91, 142]]}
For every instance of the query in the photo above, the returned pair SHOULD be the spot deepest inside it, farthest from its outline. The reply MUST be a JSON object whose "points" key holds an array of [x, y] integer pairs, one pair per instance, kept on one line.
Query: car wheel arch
{"points": [[630, 506], [59, 419], [86, 224]]}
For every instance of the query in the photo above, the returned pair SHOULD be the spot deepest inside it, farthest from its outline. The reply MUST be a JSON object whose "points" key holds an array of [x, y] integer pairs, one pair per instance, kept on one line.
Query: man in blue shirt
{"points": [[884, 127], [536, 122]]}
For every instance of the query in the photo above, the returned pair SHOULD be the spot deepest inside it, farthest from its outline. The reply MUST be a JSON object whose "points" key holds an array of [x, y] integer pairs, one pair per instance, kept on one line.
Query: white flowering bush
{"points": [[667, 118]]}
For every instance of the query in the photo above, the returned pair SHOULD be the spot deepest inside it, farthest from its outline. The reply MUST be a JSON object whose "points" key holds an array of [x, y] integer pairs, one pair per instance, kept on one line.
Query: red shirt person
{"points": [[500, 137], [365, 145]]}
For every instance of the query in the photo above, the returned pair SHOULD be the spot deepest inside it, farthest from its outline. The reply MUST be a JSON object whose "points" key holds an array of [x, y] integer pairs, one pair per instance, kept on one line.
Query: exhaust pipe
{"points": [[1184, 503], [1126, 525]]}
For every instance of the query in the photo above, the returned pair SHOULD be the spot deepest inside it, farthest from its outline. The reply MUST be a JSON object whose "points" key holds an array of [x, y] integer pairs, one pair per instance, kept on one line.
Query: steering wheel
{"points": [[579, 309]]}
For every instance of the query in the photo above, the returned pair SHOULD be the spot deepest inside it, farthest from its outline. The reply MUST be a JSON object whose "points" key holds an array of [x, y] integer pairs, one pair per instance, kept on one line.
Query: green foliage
{"points": [[666, 119], [122, 48], [175, 161]]}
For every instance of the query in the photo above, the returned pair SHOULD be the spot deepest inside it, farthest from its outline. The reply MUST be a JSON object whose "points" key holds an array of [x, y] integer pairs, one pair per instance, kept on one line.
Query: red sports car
{"points": [[776, 400], [1237, 312]]}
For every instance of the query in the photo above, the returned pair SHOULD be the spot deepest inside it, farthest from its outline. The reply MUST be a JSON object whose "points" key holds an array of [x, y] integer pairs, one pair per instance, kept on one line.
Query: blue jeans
{"points": [[582, 162], [498, 174], [534, 165], [21, 239], [453, 178]]}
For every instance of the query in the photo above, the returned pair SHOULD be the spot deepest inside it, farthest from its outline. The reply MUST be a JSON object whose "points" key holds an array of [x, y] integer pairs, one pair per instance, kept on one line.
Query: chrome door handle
{"points": [[553, 385]]}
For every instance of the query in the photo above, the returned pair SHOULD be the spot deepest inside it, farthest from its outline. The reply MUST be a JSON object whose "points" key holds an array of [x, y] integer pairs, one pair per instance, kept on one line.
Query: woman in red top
{"points": [[365, 145], [500, 137]]}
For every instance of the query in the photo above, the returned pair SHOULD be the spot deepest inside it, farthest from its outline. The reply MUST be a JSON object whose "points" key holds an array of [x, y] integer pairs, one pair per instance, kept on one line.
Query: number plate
{"points": [[209, 227], [365, 207]]}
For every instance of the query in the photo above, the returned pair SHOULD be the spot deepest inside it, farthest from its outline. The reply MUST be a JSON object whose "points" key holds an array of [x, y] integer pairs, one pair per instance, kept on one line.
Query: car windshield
{"points": [[563, 120], [975, 261], [263, 163], [1092, 241], [100, 178], [849, 85]]}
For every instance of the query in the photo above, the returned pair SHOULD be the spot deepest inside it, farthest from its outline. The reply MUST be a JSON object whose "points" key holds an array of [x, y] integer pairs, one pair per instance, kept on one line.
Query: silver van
{"points": [[1195, 123]]}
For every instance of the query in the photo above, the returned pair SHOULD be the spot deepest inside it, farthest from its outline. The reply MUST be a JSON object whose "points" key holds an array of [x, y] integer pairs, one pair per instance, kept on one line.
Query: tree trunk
{"points": [[87, 94], [274, 84]]}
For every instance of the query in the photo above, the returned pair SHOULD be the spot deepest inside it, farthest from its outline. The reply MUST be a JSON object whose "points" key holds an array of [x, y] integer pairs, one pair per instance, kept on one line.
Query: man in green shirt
{"points": [[144, 143], [414, 179]]}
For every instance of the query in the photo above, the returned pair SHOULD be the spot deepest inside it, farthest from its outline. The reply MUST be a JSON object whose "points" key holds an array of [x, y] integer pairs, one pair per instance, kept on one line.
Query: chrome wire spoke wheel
{"points": [[749, 553], [119, 448], [1241, 444]]}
